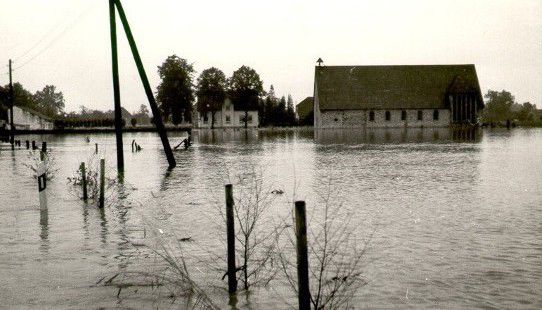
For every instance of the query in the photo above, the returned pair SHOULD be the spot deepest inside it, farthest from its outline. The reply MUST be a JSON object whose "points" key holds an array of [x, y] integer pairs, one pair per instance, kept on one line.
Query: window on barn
{"points": [[205, 118], [388, 116], [420, 115], [403, 115], [228, 119], [372, 116], [249, 119], [435, 115]]}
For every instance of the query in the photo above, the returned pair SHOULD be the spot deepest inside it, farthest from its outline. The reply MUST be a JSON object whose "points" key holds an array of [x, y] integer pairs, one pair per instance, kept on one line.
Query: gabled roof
{"points": [[305, 107], [393, 87]]}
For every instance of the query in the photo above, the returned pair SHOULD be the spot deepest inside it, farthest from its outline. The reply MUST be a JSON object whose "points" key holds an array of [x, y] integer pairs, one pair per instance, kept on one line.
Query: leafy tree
{"points": [[290, 113], [22, 97], [49, 101], [175, 93], [269, 107], [133, 121], [280, 112], [143, 111], [142, 115], [211, 92], [498, 106], [245, 88], [526, 112]]}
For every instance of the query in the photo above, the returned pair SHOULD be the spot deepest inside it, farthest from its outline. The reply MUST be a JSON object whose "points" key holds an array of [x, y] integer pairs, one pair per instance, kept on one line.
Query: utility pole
{"points": [[146, 85], [11, 101], [116, 89]]}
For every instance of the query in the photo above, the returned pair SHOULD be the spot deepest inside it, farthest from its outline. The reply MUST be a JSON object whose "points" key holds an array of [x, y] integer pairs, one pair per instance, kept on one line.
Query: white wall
{"points": [[228, 118], [25, 120]]}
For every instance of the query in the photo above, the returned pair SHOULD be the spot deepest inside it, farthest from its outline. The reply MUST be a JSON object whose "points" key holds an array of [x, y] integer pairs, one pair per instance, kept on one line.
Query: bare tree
{"points": [[252, 203], [336, 255]]}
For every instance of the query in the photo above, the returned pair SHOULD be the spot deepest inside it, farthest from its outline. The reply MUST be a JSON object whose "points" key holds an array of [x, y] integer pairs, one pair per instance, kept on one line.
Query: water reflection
{"points": [[44, 230], [213, 136], [103, 224], [397, 135]]}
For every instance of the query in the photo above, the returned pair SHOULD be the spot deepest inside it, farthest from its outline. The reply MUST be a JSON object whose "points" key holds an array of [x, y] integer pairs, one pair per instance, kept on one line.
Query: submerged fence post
{"points": [[302, 256], [27, 144], [42, 185], [230, 228], [43, 150], [84, 181], [33, 145], [102, 182], [96, 145]]}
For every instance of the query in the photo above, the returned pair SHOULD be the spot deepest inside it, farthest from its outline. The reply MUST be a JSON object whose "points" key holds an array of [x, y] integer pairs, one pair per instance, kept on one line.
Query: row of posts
{"points": [[27, 143], [301, 243], [42, 179], [84, 182]]}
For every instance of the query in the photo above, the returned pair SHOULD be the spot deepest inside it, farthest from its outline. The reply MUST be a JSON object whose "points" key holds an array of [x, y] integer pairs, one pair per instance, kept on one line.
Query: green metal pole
{"points": [[150, 96], [116, 88], [12, 103]]}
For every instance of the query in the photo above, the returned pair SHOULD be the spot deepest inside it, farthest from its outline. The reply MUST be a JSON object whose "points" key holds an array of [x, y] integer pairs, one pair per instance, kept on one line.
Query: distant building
{"points": [[228, 117], [304, 111], [27, 119], [396, 96]]}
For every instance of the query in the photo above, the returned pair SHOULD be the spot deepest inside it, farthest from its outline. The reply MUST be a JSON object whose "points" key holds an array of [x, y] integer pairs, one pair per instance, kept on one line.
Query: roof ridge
{"points": [[426, 65]]}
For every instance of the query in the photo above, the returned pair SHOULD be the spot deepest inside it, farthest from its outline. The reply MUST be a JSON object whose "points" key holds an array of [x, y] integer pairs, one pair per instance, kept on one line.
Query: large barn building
{"points": [[396, 96]]}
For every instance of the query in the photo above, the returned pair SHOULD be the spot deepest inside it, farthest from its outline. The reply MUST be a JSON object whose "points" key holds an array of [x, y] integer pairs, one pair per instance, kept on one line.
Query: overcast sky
{"points": [[66, 42]]}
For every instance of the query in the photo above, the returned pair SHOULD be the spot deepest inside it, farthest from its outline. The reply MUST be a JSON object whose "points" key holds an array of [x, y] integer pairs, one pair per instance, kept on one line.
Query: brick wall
{"points": [[361, 118]]}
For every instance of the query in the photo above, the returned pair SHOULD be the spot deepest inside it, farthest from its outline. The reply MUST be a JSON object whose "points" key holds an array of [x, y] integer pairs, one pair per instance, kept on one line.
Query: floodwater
{"points": [[454, 219]]}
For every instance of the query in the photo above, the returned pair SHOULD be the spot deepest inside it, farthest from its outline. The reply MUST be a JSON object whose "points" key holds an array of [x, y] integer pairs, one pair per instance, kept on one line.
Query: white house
{"points": [[228, 117], [27, 119]]}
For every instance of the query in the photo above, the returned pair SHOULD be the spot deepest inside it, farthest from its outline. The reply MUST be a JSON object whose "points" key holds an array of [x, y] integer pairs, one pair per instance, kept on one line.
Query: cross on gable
{"points": [[320, 62]]}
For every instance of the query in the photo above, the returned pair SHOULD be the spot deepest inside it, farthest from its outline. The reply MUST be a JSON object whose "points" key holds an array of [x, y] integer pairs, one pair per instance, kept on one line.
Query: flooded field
{"points": [[455, 218]]}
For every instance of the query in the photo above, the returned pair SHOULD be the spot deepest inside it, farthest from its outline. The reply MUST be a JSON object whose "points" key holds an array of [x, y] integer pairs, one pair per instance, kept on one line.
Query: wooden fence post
{"points": [[230, 227], [84, 181], [302, 256], [43, 150], [102, 182]]}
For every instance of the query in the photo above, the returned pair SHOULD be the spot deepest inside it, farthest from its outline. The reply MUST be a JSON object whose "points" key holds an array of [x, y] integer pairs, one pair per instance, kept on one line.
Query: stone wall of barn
{"points": [[361, 118]]}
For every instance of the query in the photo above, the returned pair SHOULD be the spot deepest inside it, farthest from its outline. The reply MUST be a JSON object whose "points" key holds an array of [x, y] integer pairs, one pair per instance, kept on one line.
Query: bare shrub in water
{"points": [[255, 242], [92, 167], [335, 254], [161, 265], [34, 161]]}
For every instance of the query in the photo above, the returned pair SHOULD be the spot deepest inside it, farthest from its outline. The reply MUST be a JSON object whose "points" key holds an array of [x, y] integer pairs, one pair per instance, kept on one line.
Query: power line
{"points": [[51, 31], [66, 29]]}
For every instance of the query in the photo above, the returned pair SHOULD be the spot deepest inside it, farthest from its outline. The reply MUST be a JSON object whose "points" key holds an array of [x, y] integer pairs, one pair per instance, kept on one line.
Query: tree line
{"points": [[178, 95], [178, 91], [47, 101], [501, 109]]}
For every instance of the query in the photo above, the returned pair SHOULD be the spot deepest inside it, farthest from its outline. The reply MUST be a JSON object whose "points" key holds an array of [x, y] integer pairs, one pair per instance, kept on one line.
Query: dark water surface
{"points": [[457, 218]]}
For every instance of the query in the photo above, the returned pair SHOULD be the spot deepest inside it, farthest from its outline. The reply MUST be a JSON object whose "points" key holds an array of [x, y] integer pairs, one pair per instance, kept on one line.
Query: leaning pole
{"points": [[116, 88], [143, 76]]}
